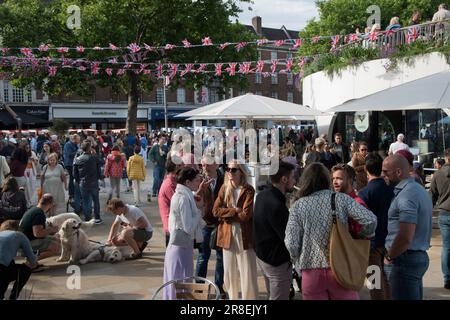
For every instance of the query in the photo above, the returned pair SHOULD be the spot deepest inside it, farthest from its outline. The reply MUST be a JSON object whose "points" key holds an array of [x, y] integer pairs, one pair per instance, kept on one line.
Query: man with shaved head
{"points": [[409, 230]]}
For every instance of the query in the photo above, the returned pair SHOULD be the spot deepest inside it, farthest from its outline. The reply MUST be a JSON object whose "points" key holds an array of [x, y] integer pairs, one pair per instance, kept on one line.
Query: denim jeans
{"points": [[406, 277], [90, 194], [77, 198], [158, 176], [444, 225], [203, 258]]}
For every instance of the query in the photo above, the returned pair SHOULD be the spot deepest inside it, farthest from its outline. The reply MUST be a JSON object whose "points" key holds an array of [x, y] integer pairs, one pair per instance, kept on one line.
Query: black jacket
{"points": [[86, 170], [346, 153], [270, 218], [12, 205]]}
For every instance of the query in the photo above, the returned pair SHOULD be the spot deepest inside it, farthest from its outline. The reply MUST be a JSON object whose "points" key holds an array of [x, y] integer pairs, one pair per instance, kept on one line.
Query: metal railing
{"points": [[431, 32]]}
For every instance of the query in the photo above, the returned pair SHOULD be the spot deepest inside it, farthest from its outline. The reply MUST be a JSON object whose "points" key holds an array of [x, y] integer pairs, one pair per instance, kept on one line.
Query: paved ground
{"points": [[139, 279]]}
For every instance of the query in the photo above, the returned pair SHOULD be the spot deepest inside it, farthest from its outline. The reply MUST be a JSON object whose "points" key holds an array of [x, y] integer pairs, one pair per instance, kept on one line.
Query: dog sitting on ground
{"points": [[107, 254], [59, 219], [75, 243]]}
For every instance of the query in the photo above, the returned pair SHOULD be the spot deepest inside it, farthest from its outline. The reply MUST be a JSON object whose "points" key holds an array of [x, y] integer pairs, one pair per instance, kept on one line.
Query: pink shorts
{"points": [[320, 284]]}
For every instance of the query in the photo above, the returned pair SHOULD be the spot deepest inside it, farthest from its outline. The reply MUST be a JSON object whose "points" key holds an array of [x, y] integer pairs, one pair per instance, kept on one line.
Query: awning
{"points": [[6, 119], [430, 92]]}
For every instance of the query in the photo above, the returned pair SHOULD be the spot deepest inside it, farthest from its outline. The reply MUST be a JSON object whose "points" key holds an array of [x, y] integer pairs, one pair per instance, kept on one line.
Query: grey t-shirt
{"points": [[411, 204]]}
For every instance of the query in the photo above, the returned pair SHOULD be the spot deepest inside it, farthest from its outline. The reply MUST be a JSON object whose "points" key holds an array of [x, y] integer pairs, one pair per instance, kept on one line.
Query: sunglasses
{"points": [[363, 149], [232, 170]]}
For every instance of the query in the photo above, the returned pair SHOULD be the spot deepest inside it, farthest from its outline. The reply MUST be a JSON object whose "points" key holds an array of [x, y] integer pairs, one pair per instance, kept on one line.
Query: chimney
{"points": [[257, 25]]}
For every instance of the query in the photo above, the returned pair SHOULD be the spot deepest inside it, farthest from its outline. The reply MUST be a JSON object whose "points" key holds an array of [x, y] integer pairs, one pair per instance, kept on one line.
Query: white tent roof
{"points": [[430, 92], [251, 106]]}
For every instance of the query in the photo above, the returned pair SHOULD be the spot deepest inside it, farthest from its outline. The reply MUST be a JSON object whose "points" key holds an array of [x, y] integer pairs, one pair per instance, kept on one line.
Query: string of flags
{"points": [[292, 44]]}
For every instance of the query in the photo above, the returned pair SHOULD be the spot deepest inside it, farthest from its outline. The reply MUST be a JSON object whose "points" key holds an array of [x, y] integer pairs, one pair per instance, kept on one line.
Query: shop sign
{"points": [[362, 121]]}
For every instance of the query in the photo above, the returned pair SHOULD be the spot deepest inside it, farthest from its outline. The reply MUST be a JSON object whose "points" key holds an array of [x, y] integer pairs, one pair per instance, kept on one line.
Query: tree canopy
{"points": [[29, 23]]}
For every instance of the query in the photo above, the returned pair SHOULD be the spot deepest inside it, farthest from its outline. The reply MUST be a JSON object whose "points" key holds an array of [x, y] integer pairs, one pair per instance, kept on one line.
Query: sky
{"points": [[293, 14]]}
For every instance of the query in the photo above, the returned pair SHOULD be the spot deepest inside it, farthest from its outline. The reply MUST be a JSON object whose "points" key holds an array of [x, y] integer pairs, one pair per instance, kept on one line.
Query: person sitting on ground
{"points": [[33, 225], [13, 203], [136, 231], [10, 242]]}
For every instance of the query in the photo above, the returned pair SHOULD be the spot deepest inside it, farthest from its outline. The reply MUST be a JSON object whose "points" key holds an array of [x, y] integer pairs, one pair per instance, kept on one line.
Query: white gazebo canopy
{"points": [[252, 107], [431, 92]]}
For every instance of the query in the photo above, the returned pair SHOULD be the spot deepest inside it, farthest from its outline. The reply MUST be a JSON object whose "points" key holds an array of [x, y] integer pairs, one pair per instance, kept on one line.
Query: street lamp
{"points": [[166, 120]]}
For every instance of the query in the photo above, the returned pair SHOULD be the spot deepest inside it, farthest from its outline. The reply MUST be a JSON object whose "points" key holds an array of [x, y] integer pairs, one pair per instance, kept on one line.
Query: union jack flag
{"points": [[218, 67], [335, 40], [98, 49], [82, 68], [301, 63], [4, 50], [389, 32], [262, 42], [147, 71], [169, 46], [259, 66], [148, 47], [207, 41], [113, 61], [353, 37], [80, 49], [62, 50], [240, 45], [201, 68], [273, 67], [224, 45], [109, 71], [173, 70], [186, 43], [289, 64], [373, 36], [43, 47], [159, 70], [298, 43], [128, 65], [187, 69], [134, 48], [95, 68], [120, 72], [142, 67], [113, 47], [231, 69], [244, 68], [279, 43], [52, 71], [413, 33], [26, 52], [315, 39]]}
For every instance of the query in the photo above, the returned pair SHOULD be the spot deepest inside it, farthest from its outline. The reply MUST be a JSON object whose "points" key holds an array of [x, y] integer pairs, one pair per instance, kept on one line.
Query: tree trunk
{"points": [[133, 96]]}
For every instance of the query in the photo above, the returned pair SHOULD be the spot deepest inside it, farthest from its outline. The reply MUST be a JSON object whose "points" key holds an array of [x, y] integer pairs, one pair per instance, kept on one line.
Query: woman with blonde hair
{"points": [[234, 208], [54, 181], [136, 173]]}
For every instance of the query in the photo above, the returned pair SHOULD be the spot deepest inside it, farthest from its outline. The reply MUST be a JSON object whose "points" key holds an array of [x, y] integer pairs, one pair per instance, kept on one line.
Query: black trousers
{"points": [[19, 273]]}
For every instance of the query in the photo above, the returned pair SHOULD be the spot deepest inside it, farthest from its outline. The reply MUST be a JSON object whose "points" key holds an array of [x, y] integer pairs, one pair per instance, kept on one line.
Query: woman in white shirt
{"points": [[185, 225]]}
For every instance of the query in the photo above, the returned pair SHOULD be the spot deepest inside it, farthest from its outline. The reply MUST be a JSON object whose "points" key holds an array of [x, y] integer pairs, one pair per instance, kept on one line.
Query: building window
{"points": [[159, 96], [17, 95], [289, 55], [259, 54], [289, 79], [29, 96], [273, 55], [275, 78], [290, 97], [258, 93], [258, 78], [275, 95], [181, 96], [5, 91]]}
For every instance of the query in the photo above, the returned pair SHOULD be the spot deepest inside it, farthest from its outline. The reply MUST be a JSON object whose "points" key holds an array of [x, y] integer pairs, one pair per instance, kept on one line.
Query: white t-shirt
{"points": [[133, 215], [397, 146], [237, 191]]}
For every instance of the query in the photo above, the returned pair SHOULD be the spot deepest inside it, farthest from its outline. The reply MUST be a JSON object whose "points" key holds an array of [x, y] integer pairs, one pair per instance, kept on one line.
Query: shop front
{"points": [[98, 116], [28, 116], [157, 119]]}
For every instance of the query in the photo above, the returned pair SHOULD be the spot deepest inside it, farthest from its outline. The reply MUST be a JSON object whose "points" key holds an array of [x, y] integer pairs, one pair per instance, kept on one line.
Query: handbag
{"points": [[180, 238], [349, 258], [213, 240]]}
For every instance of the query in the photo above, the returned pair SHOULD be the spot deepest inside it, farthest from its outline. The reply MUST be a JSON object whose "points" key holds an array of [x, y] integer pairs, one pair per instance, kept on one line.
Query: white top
{"points": [[237, 191], [397, 146], [132, 216]]}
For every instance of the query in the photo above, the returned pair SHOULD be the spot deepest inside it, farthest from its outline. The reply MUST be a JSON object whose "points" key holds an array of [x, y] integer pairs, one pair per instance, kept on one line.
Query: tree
{"points": [[28, 23], [59, 126]]}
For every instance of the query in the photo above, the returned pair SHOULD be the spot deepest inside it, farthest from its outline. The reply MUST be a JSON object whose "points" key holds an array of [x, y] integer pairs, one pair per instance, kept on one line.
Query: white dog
{"points": [[107, 254], [59, 219], [75, 243]]}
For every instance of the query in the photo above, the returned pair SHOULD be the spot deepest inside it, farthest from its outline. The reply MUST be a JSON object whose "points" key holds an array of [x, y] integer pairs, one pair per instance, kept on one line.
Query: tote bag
{"points": [[349, 257]]}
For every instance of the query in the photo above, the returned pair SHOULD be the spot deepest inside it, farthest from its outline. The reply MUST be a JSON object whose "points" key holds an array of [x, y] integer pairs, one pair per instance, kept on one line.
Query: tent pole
{"points": [[443, 131]]}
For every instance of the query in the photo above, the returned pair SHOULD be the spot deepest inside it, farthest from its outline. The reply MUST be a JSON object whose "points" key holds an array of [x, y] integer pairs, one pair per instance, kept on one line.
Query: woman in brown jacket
{"points": [[358, 163], [234, 208]]}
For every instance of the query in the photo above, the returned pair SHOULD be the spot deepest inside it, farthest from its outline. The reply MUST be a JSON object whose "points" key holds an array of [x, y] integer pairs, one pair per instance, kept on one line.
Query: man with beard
{"points": [[270, 218]]}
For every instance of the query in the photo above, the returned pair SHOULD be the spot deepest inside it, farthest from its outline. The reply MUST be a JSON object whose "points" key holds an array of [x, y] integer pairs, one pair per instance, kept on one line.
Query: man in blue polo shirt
{"points": [[409, 230]]}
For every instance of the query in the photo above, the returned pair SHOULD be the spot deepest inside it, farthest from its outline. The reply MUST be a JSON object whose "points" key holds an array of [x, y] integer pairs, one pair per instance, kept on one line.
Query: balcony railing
{"points": [[431, 32]]}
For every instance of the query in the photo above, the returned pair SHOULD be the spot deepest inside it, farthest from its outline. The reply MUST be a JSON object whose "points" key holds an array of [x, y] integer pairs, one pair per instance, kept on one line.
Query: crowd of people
{"points": [[211, 206]]}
